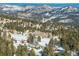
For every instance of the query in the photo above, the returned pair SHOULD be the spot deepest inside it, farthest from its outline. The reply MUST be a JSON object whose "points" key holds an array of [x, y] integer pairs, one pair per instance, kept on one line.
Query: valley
{"points": [[39, 31]]}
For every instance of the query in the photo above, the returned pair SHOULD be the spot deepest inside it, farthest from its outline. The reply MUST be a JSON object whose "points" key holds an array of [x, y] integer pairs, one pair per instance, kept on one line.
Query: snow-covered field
{"points": [[44, 41], [66, 21], [19, 37]]}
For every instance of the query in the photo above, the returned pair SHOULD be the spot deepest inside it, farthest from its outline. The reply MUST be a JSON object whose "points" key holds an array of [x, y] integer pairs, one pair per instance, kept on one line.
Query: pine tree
{"points": [[6, 47], [39, 38], [51, 43], [48, 51], [32, 52], [22, 50], [31, 39]]}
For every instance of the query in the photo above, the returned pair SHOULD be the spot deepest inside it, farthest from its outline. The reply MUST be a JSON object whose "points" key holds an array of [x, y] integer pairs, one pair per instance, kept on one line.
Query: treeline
{"points": [[69, 41]]}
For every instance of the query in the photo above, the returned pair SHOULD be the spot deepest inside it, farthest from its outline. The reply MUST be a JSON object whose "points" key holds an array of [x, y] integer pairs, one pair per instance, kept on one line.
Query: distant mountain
{"points": [[44, 13], [69, 9]]}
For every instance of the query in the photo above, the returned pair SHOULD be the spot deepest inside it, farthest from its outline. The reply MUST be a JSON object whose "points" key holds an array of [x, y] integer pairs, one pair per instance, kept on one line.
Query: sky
{"points": [[41, 4], [39, 1], [62, 3]]}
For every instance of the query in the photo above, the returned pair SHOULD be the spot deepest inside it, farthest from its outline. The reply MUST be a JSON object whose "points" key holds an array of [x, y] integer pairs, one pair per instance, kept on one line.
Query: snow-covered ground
{"points": [[44, 41], [56, 38], [66, 21], [58, 49], [38, 51], [20, 36]]}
